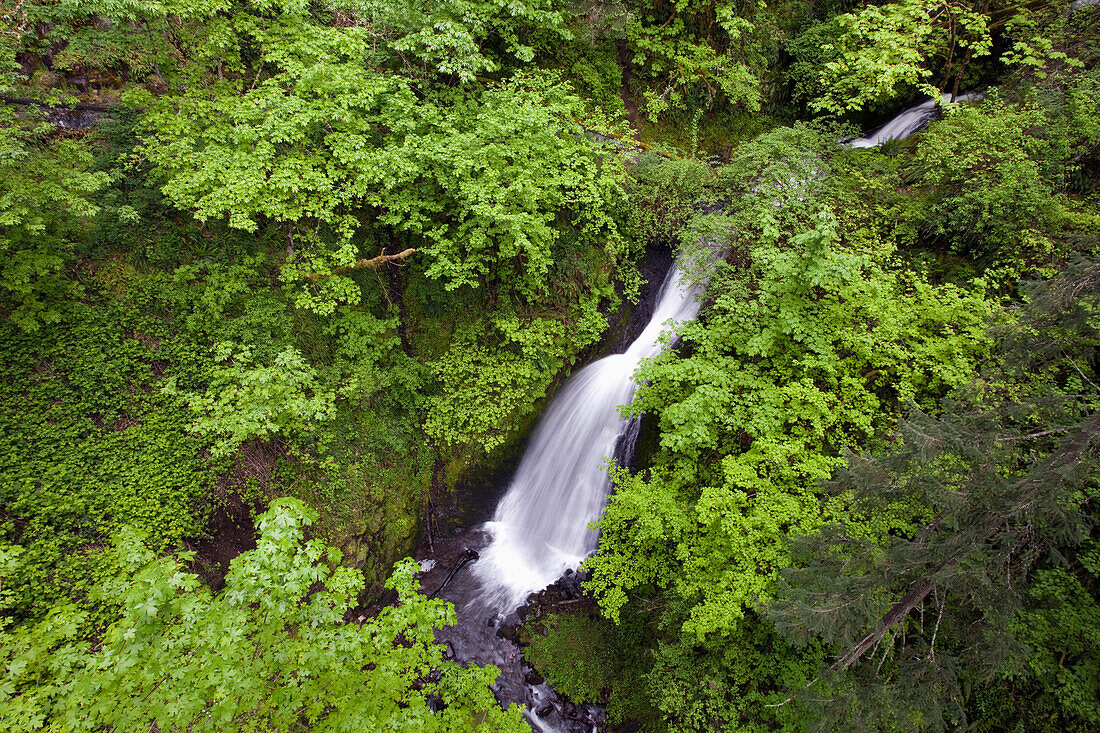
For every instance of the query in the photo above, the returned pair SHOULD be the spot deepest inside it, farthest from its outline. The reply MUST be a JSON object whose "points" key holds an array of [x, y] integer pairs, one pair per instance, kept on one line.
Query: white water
{"points": [[907, 122], [540, 528]]}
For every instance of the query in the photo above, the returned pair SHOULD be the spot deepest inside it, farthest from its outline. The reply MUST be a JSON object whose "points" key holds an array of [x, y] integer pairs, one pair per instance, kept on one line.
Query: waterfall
{"points": [[540, 527], [907, 122]]}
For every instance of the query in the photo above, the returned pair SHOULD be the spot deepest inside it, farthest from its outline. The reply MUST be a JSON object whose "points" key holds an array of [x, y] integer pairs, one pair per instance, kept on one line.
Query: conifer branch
{"points": [[1039, 434], [899, 611], [1074, 363], [1069, 452]]}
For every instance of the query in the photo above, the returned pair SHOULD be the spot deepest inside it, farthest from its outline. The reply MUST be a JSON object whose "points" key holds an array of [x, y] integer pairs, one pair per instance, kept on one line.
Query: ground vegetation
{"points": [[276, 277]]}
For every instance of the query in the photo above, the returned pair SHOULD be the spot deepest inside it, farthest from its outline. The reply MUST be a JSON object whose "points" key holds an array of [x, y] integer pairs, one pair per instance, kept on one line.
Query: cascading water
{"points": [[540, 528], [907, 122]]}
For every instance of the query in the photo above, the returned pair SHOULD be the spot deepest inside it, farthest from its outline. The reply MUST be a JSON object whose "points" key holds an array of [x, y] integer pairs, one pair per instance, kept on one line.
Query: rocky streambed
{"points": [[485, 636]]}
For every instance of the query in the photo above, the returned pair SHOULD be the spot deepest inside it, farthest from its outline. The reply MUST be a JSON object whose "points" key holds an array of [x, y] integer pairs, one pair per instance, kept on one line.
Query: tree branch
{"points": [[78, 106], [372, 263], [899, 611], [1039, 434]]}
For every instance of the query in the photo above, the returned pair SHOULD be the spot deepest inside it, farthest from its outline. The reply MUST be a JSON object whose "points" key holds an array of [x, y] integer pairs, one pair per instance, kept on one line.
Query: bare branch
{"points": [[372, 263], [932, 649], [1074, 363], [1039, 434]]}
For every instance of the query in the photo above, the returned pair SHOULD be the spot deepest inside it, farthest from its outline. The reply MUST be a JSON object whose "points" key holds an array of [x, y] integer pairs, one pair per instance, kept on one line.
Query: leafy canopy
{"points": [[269, 652], [813, 341], [885, 51], [46, 198]]}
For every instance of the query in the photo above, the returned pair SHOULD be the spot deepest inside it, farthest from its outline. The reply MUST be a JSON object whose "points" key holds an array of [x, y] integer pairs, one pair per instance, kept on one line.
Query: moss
{"points": [[368, 511], [710, 135], [590, 659]]}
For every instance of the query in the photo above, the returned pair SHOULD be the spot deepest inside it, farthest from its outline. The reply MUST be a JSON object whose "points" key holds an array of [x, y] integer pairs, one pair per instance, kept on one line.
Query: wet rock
{"points": [[482, 636], [570, 585], [591, 715]]}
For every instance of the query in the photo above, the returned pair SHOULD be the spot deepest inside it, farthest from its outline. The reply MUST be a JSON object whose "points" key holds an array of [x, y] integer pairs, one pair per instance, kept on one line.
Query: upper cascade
{"points": [[908, 121]]}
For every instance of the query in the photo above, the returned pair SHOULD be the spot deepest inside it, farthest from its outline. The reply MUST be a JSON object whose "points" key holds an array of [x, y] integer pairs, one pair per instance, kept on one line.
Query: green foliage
{"points": [[1060, 629], [254, 401], [737, 684], [489, 187], [1038, 39], [368, 357], [321, 120], [299, 122], [195, 279], [664, 195], [45, 199], [89, 444], [885, 51], [811, 50], [640, 531], [811, 346], [983, 167], [475, 218], [270, 651], [590, 659], [573, 655], [1003, 491], [372, 502], [697, 54], [485, 389], [590, 62], [448, 35]]}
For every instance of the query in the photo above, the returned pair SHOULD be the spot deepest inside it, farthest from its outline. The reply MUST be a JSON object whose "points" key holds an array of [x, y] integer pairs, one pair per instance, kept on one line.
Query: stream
{"points": [[908, 121], [539, 533]]}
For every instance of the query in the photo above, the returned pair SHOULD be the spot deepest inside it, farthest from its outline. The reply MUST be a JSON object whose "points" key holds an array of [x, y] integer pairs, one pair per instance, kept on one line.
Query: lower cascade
{"points": [[540, 528]]}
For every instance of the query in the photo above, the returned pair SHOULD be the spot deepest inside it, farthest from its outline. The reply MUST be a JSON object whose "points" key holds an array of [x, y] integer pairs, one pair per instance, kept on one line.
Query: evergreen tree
{"points": [[1001, 492]]}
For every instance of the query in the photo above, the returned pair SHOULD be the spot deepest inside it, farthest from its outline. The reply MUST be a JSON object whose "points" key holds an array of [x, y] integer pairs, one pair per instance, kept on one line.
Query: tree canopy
{"points": [[270, 651], [308, 272]]}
